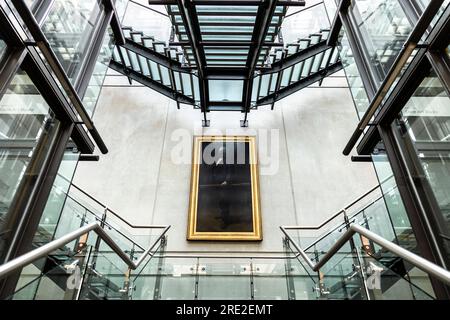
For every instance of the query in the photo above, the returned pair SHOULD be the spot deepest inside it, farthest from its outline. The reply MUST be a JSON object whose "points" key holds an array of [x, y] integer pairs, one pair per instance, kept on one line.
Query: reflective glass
{"points": [[57, 198], [304, 23], [425, 125], [98, 76], [27, 126], [68, 28], [225, 90], [353, 76], [147, 21], [384, 28], [224, 279], [2, 48]]}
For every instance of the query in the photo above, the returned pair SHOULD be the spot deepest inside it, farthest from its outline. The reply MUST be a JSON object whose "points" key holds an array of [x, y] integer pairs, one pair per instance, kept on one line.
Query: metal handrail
{"points": [[43, 251], [430, 268]]}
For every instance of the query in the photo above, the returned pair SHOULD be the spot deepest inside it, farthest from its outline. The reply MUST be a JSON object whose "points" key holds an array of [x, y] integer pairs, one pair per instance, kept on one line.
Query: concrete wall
{"points": [[140, 180]]}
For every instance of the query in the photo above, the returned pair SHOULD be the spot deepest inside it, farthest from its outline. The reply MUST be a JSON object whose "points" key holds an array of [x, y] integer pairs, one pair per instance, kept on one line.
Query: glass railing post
{"points": [[83, 281], [358, 263], [197, 278]]}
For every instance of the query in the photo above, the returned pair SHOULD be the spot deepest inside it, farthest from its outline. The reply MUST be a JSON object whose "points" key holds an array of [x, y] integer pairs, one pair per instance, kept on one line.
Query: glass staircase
{"points": [[167, 69]]}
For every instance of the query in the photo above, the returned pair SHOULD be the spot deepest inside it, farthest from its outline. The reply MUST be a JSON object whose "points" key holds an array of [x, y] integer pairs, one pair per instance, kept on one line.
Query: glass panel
{"points": [[353, 76], [98, 76], [68, 28], [425, 126], [178, 278], [53, 209], [27, 126], [269, 280], [340, 277], [121, 6], [2, 48], [53, 284], [225, 90], [186, 82], [388, 276], [384, 28], [304, 23], [394, 203], [331, 7], [224, 279], [149, 22], [447, 50]]}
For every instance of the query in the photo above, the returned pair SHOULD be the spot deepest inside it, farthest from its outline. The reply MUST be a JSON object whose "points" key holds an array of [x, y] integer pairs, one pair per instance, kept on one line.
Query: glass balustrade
{"points": [[349, 274]]}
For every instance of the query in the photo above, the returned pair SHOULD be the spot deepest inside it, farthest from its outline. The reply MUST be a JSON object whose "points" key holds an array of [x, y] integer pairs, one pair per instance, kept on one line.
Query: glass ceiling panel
{"points": [[220, 19], [224, 29], [228, 63], [227, 37], [228, 24], [226, 9]]}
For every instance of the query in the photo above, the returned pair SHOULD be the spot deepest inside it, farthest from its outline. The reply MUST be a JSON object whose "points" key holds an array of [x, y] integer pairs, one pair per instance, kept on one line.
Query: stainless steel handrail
{"points": [[430, 268], [43, 251]]}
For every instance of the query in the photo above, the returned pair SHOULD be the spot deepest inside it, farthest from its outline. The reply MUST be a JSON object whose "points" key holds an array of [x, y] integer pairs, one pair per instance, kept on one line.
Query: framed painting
{"points": [[224, 198]]}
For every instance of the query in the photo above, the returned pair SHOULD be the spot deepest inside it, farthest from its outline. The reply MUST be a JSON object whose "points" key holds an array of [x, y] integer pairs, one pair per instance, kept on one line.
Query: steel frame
{"points": [[27, 208], [417, 196]]}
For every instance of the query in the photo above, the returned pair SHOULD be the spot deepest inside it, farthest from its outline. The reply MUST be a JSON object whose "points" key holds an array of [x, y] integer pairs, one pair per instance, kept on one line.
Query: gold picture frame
{"points": [[192, 232]]}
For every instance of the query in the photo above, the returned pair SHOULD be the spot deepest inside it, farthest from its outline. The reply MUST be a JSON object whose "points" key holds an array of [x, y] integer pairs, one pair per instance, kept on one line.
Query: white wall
{"points": [[139, 180]]}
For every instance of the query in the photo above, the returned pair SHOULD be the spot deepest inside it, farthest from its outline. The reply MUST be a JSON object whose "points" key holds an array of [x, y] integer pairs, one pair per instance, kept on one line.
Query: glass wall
{"points": [[27, 126], [425, 126], [353, 76], [98, 76], [384, 28], [68, 28], [52, 212], [393, 202], [2, 48]]}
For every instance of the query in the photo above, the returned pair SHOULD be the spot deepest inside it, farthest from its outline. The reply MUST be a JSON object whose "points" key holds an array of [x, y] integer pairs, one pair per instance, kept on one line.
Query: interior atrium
{"points": [[224, 149]]}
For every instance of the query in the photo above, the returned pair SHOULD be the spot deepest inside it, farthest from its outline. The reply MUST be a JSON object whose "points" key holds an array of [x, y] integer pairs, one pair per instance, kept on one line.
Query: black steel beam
{"points": [[283, 3], [226, 44], [262, 22], [404, 89], [148, 82], [43, 44], [154, 56], [403, 56], [32, 197], [411, 79], [336, 25], [297, 57], [425, 231], [231, 73], [48, 87], [191, 24], [116, 25], [303, 83], [92, 52]]}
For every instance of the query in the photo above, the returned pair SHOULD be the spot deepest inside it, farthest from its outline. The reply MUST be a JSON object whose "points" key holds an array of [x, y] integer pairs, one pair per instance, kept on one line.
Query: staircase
{"points": [[170, 72]]}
